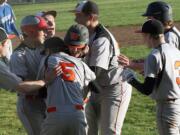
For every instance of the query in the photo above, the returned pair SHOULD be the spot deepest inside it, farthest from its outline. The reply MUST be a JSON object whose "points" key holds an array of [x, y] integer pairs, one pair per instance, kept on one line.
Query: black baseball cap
{"points": [[159, 10], [87, 7], [53, 43], [153, 27]]}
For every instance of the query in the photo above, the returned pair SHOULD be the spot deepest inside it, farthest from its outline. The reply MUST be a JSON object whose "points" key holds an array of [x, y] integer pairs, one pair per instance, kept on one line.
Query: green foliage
{"points": [[112, 12]]}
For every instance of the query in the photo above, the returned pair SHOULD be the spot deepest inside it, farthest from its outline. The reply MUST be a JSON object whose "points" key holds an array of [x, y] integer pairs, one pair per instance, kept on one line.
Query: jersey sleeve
{"points": [[18, 64], [100, 53], [88, 75], [153, 65], [52, 62], [172, 39], [8, 80]]}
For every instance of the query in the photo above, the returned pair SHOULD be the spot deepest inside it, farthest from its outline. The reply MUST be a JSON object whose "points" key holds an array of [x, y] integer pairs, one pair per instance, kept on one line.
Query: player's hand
{"points": [[124, 60], [51, 75], [21, 38], [128, 75]]}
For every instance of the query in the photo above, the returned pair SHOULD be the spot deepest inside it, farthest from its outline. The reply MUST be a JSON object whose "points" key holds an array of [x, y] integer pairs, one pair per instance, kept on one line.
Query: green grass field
{"points": [[140, 119], [112, 12]]}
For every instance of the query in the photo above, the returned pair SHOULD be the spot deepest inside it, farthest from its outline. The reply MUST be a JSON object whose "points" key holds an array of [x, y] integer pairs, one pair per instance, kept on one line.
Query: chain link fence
{"points": [[37, 1]]}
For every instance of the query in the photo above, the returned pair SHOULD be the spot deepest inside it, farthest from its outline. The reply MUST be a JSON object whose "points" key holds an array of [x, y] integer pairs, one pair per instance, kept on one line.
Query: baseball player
{"points": [[7, 21], [108, 108], [161, 78], [65, 112], [163, 12], [9, 80], [24, 63], [49, 16]]}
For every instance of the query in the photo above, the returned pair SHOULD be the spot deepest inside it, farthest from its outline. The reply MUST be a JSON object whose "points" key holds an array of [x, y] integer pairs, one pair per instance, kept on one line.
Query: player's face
{"points": [[51, 25], [150, 18], [40, 36], [76, 52], [82, 19], [147, 39]]}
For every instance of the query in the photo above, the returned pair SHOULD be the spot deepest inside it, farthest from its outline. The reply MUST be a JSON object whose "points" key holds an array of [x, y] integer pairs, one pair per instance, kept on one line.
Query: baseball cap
{"points": [[153, 27], [44, 13], [87, 7], [160, 10], [3, 35], [53, 43], [33, 22], [77, 36]]}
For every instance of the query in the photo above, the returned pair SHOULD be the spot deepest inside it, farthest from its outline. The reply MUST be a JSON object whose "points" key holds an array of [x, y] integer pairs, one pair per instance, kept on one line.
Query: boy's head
{"points": [[77, 40], [34, 28], [159, 10], [54, 45], [152, 31], [49, 16], [86, 13]]}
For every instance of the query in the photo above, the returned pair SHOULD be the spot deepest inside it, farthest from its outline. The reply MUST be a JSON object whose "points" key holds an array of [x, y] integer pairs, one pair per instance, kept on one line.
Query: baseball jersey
{"points": [[8, 80], [172, 36], [103, 53], [167, 61], [67, 89], [7, 19], [25, 61]]}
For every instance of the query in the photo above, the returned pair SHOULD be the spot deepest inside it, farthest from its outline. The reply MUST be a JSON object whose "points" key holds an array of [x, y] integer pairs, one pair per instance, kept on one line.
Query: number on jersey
{"points": [[68, 74], [177, 67]]}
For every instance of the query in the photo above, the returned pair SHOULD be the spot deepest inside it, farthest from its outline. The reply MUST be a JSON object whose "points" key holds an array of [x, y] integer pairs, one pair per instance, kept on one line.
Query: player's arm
{"points": [[145, 88], [29, 86], [151, 72], [10, 81], [133, 64]]}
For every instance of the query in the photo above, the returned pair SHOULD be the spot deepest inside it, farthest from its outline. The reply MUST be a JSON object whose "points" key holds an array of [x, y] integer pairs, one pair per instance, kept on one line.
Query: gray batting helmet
{"points": [[77, 35], [160, 11]]}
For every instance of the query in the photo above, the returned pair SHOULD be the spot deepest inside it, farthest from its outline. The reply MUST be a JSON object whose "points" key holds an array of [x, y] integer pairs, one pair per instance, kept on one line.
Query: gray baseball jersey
{"points": [[62, 92], [169, 85], [172, 37], [104, 54], [8, 80], [25, 62]]}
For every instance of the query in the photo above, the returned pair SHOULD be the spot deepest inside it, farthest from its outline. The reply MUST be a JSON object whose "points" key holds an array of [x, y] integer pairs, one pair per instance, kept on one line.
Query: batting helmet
{"points": [[31, 22], [77, 36], [160, 11]]}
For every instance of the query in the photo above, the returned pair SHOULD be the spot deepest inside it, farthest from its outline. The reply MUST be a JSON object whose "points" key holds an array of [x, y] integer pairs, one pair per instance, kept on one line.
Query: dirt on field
{"points": [[125, 35]]}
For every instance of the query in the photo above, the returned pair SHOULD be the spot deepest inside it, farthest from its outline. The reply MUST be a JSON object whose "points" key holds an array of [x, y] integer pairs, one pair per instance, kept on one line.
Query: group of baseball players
{"points": [[81, 84]]}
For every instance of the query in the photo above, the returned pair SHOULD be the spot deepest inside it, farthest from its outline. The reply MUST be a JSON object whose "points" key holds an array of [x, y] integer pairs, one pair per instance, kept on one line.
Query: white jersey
{"points": [[167, 61], [67, 89], [172, 37]]}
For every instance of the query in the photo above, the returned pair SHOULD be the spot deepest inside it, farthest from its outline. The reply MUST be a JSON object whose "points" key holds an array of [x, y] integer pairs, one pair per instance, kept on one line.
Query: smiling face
{"points": [[51, 25]]}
